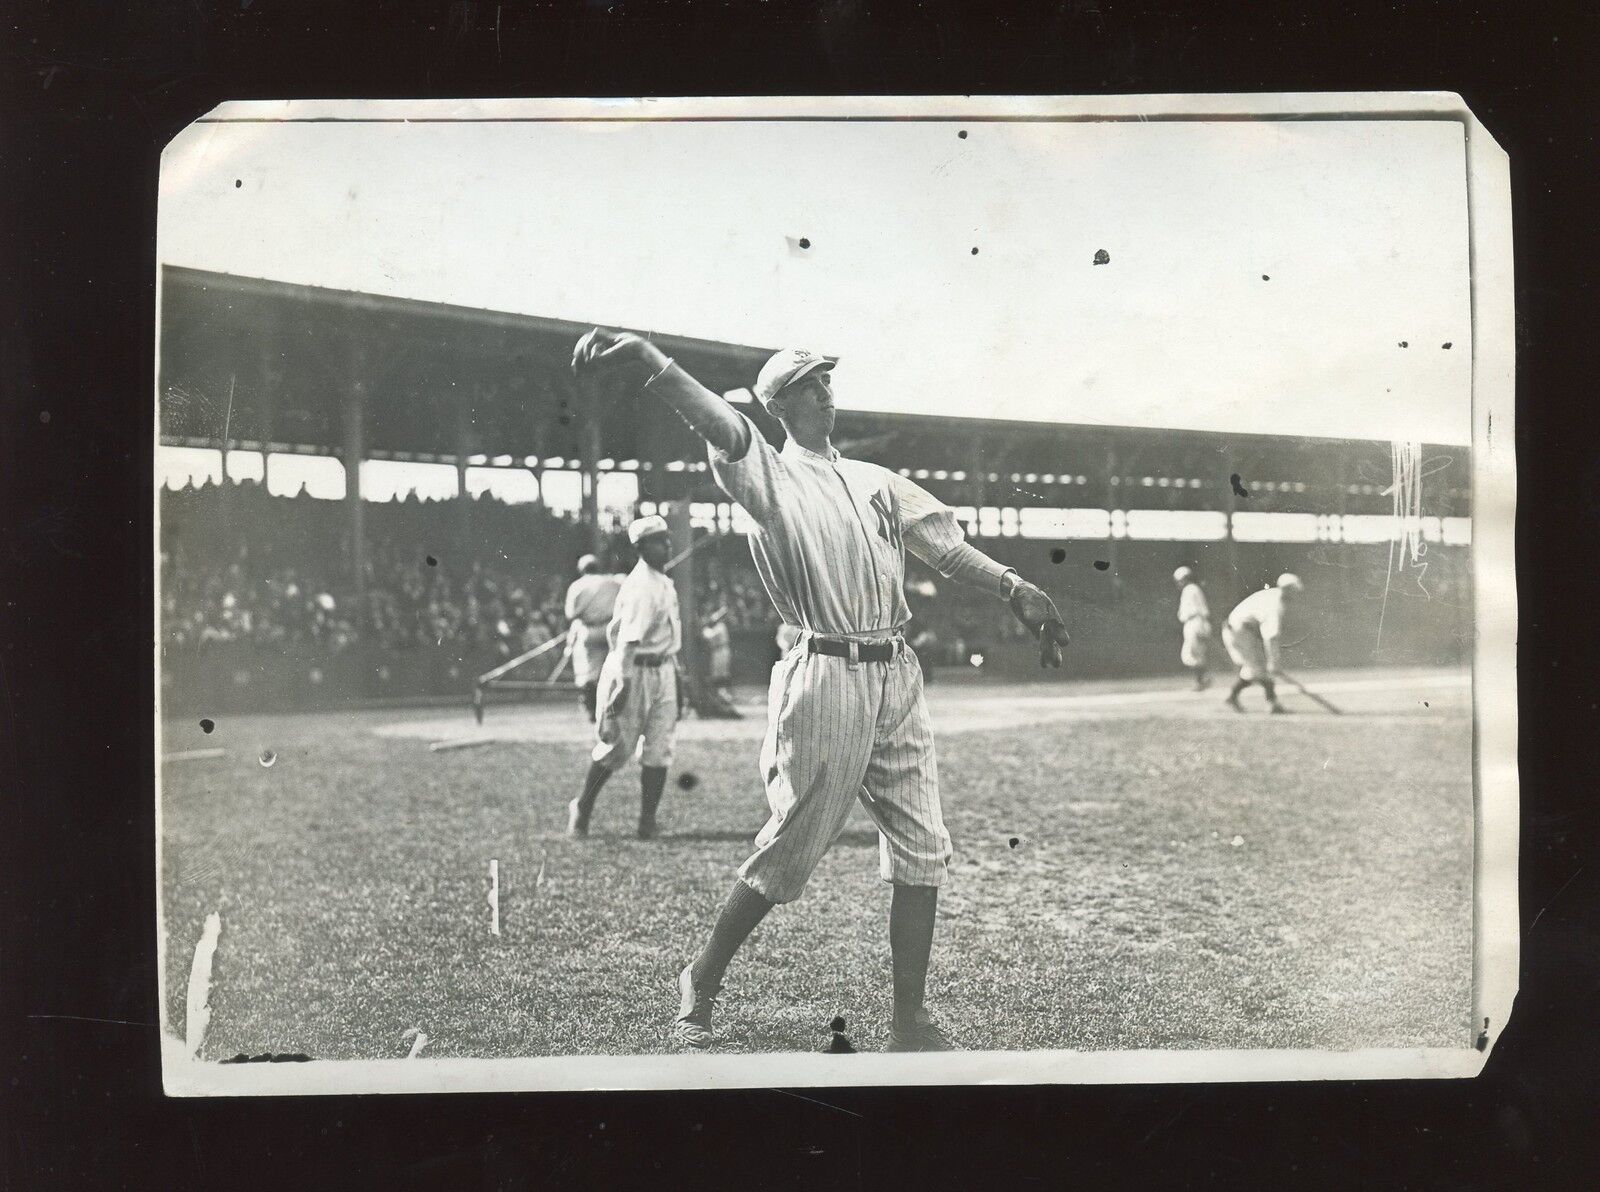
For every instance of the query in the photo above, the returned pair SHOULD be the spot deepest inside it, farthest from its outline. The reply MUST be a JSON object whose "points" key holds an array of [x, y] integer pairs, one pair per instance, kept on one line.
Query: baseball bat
{"points": [[1308, 693]]}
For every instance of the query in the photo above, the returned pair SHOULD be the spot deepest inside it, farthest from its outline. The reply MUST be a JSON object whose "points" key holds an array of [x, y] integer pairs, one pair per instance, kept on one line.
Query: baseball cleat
{"points": [[692, 1027], [1233, 702], [1279, 710], [648, 829], [923, 1035], [577, 822]]}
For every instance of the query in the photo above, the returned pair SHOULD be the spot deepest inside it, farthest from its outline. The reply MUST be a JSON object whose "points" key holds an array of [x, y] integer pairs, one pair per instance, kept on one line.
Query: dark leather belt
{"points": [[651, 659], [863, 651]]}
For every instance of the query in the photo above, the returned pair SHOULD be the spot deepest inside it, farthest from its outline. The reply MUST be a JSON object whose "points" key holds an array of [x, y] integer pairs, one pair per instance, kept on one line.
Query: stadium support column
{"points": [[1230, 507], [355, 447], [463, 511], [978, 482], [683, 579], [271, 382], [590, 443], [1113, 493], [1341, 506], [539, 407]]}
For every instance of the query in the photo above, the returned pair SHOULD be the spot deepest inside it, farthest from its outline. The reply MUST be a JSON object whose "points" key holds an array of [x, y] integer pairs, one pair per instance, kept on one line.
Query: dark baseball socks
{"points": [[584, 806], [911, 915], [652, 781], [740, 914], [1267, 686]]}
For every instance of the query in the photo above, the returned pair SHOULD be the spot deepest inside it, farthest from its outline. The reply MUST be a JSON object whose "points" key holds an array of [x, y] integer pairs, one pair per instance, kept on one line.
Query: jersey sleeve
{"points": [[754, 479], [631, 615], [927, 525]]}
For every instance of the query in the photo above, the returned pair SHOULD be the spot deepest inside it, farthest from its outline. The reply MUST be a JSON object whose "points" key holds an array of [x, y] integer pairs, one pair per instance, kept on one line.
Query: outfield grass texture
{"points": [[1159, 874]]}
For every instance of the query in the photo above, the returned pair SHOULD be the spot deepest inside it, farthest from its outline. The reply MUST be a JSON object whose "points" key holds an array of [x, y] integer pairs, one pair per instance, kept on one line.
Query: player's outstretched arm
{"points": [[646, 368], [938, 543]]}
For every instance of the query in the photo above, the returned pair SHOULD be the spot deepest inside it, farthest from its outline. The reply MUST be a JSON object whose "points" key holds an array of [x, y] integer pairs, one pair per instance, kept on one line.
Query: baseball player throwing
{"points": [[638, 688], [1251, 636], [1194, 614], [846, 717]]}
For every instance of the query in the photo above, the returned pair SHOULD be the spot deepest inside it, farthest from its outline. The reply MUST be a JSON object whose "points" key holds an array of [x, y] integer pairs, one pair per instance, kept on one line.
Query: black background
{"points": [[92, 93]]}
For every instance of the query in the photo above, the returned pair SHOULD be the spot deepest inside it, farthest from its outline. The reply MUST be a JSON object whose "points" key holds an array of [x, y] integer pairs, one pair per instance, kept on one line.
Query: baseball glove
{"points": [[1034, 608], [602, 351]]}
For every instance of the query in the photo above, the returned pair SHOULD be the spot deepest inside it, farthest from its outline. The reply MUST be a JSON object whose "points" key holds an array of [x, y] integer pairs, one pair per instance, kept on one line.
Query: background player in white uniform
{"points": [[719, 662], [1251, 636], [846, 713], [638, 693], [1194, 614], [590, 601]]}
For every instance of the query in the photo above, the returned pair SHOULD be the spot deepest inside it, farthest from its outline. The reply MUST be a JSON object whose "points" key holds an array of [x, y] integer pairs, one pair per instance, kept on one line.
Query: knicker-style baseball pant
{"points": [[650, 714], [837, 733]]}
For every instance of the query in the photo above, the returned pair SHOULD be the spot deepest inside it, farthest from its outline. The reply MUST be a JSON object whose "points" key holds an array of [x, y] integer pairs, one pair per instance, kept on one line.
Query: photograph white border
{"points": [[1496, 944]]}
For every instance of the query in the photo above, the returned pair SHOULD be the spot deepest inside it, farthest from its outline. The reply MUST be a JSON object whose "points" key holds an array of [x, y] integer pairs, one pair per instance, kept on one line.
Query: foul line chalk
{"points": [[193, 755], [198, 1018], [461, 743]]}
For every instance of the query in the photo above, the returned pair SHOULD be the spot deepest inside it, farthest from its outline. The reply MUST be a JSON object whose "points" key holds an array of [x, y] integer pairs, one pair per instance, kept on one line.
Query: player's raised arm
{"points": [[650, 370]]}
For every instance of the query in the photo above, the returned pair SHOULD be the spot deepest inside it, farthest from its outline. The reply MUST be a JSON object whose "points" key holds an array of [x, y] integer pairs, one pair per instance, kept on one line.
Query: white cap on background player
{"points": [[784, 368], [588, 563], [646, 526], [1183, 575], [1291, 582]]}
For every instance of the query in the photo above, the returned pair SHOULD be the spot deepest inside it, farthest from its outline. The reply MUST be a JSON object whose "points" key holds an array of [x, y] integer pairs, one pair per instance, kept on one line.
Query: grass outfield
{"points": [[1181, 877]]}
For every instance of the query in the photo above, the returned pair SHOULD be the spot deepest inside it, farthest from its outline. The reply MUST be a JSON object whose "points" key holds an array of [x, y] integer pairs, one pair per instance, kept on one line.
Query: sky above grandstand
{"points": [[1270, 277]]}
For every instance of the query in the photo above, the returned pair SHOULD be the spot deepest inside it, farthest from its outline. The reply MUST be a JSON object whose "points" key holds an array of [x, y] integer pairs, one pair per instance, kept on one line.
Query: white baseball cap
{"points": [[646, 526], [1291, 581], [587, 562], [784, 368], [1182, 574]]}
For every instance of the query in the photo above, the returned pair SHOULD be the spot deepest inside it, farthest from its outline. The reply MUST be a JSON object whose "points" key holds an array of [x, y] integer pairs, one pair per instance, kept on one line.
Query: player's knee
{"points": [[775, 890]]}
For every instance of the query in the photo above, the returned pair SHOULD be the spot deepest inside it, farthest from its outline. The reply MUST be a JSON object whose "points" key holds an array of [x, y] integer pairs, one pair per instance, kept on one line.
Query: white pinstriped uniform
{"points": [[829, 543]]}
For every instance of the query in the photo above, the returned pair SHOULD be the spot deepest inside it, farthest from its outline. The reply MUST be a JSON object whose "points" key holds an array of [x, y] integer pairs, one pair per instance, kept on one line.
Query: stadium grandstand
{"points": [[368, 498]]}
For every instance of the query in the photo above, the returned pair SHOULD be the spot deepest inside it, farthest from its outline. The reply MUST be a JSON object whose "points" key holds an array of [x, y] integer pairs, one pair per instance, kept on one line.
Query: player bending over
{"points": [[1251, 635], [847, 718]]}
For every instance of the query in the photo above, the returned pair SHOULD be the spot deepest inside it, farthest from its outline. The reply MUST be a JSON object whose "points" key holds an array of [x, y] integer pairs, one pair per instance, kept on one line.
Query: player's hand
{"points": [[601, 352], [1038, 612]]}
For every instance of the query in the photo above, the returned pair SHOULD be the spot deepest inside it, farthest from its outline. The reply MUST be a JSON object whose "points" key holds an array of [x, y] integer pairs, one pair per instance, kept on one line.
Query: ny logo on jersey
{"points": [[888, 523]]}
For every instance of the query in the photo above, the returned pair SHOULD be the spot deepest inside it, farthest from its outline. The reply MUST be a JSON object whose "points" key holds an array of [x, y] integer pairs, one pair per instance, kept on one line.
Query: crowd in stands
{"points": [[242, 567], [238, 565]]}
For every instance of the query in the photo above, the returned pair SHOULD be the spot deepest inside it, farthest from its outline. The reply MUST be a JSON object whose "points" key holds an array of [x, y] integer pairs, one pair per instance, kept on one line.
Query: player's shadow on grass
{"points": [[858, 838]]}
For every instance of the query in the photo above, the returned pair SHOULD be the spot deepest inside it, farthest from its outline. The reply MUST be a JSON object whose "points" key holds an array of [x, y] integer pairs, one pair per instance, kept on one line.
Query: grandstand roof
{"points": [[263, 363]]}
